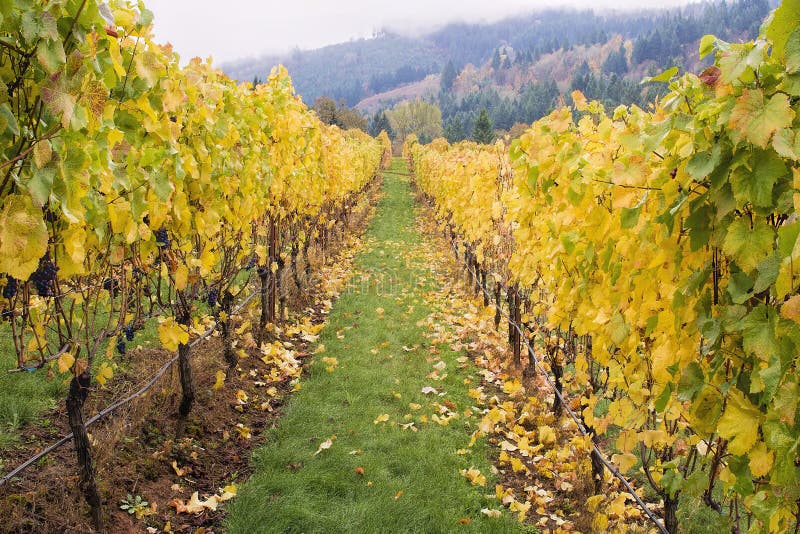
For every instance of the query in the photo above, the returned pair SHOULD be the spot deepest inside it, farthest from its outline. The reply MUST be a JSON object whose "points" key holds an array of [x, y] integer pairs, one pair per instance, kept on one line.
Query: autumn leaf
{"points": [[23, 236], [739, 423], [474, 476], [171, 334], [756, 118], [65, 362], [325, 445], [219, 382]]}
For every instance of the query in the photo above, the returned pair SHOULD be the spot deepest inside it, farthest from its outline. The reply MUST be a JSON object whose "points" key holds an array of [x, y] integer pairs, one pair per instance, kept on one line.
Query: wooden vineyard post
{"points": [[484, 288], [78, 391], [226, 304], [186, 377], [498, 290], [273, 260], [517, 341]]}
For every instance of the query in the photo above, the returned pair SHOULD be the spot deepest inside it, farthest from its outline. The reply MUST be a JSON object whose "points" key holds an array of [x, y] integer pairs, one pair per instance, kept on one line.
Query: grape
{"points": [[128, 330], [110, 285], [121, 348], [212, 297], [252, 262], [44, 276], [11, 287], [162, 237]]}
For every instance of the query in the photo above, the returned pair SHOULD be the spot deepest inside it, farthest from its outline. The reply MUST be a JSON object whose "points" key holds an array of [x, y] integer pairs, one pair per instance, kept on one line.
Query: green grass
{"points": [[294, 490], [24, 396]]}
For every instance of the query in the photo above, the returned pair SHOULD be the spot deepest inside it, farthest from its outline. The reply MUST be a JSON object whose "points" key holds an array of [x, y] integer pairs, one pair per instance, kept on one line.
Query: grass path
{"points": [[381, 473]]}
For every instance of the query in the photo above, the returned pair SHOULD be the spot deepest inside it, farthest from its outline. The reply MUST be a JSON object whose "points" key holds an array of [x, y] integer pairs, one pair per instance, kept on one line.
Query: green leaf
{"points": [[664, 77], [41, 183], [767, 272], [758, 332], [746, 246], [703, 163], [783, 23], [629, 217], [755, 185], [705, 410], [692, 381], [8, 123], [793, 51], [740, 288], [707, 45], [51, 55], [756, 118]]}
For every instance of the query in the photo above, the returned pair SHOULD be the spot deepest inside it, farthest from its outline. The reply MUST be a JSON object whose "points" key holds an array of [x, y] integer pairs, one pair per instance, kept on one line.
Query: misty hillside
{"points": [[365, 69]]}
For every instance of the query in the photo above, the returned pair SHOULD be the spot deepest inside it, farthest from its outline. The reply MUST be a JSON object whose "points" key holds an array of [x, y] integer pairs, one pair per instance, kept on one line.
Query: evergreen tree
{"points": [[454, 130], [380, 122], [448, 77], [496, 59], [482, 131]]}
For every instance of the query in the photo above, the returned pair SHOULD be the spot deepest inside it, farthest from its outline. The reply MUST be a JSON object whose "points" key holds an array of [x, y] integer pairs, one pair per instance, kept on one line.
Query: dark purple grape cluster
{"points": [[121, 348], [44, 276], [138, 274], [162, 237], [110, 285], [212, 297], [11, 287], [252, 262], [128, 331]]}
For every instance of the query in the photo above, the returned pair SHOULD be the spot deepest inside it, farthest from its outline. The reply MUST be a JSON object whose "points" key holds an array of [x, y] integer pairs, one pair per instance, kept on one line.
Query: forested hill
{"points": [[359, 69]]}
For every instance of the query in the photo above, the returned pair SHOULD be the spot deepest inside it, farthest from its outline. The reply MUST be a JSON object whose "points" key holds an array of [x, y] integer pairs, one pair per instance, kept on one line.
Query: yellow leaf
{"points": [[104, 373], [381, 418], [761, 460], [23, 236], [600, 523], [593, 502], [517, 465], [791, 309], [181, 277], [65, 362], [739, 424], [220, 380], [546, 435], [520, 508], [624, 461], [474, 476], [171, 334]]}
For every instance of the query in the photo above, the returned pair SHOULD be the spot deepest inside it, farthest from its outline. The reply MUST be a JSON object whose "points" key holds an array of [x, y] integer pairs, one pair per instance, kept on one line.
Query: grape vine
{"points": [[659, 247]]}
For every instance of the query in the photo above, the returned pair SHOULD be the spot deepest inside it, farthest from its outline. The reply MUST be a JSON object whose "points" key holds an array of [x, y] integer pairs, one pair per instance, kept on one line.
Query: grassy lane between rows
{"points": [[377, 438]]}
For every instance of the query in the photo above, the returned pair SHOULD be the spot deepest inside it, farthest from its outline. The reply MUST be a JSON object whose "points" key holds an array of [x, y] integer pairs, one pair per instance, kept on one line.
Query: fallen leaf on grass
{"points": [[381, 418], [474, 476], [359, 471], [491, 512], [325, 445], [427, 390], [399, 494]]}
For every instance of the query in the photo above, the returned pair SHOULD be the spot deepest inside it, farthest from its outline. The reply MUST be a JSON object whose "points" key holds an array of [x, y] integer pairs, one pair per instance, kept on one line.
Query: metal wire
{"points": [[581, 428]]}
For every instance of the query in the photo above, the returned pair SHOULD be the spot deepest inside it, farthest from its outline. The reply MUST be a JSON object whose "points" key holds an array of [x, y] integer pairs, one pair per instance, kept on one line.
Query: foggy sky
{"points": [[235, 29]]}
